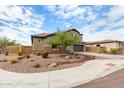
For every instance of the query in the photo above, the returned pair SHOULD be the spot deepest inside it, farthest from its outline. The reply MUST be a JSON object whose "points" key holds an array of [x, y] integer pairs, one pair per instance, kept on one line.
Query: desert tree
{"points": [[4, 42], [64, 38]]}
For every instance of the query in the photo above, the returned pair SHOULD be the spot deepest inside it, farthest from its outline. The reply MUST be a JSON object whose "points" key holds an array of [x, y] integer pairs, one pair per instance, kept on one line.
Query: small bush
{"points": [[36, 65], [71, 53], [19, 53], [45, 54], [38, 54], [32, 60], [12, 60], [115, 50], [76, 54], [6, 53], [27, 56]]}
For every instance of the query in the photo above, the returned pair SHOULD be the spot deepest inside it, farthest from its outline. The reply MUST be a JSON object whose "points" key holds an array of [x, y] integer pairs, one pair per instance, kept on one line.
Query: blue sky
{"points": [[95, 22]]}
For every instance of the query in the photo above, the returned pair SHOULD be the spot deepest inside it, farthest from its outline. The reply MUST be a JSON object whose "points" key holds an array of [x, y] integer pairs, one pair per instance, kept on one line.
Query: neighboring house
{"points": [[108, 44], [39, 41]]}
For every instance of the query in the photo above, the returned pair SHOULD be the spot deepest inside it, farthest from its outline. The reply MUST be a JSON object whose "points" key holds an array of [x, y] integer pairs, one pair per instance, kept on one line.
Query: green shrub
{"points": [[71, 53], [38, 54], [36, 65], [32, 60], [12, 60], [6, 53], [27, 56], [45, 54], [19, 53], [114, 50]]}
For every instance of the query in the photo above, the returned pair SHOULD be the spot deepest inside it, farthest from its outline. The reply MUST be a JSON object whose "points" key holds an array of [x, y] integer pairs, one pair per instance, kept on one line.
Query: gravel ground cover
{"points": [[38, 64]]}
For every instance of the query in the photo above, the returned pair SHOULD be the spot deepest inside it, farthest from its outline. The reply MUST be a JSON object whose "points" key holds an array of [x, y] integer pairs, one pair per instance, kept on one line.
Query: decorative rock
{"points": [[52, 65], [68, 57]]}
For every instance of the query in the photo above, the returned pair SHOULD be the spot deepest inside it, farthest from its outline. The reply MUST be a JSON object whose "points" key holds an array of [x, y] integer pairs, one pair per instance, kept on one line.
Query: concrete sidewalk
{"points": [[109, 56], [62, 78]]}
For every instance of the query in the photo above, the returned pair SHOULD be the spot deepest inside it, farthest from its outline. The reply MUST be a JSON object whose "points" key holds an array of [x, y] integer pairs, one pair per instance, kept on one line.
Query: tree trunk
{"points": [[62, 49], [3, 50]]}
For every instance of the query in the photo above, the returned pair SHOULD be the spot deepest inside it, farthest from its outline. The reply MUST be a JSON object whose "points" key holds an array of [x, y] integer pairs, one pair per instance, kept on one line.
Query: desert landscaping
{"points": [[48, 52], [61, 46], [45, 54], [36, 63]]}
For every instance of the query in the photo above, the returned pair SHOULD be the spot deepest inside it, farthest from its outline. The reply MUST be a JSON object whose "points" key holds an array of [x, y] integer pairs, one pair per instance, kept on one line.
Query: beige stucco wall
{"points": [[39, 43], [95, 49], [121, 45], [109, 45]]}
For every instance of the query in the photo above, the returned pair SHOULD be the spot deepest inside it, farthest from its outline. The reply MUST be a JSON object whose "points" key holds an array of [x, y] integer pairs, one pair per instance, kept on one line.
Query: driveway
{"points": [[109, 56], [70, 77], [113, 80]]}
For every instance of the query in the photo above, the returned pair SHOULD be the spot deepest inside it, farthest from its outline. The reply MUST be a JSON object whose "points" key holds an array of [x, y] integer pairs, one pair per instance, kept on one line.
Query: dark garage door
{"points": [[78, 48]]}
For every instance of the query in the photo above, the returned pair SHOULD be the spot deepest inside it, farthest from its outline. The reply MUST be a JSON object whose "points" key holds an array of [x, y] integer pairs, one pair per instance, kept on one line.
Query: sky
{"points": [[98, 22]]}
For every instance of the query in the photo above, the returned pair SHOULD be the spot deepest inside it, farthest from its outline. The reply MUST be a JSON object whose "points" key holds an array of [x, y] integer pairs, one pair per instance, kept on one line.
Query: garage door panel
{"points": [[78, 48]]}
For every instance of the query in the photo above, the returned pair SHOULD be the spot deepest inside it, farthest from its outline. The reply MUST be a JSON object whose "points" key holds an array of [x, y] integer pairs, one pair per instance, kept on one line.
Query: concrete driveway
{"points": [[70, 77], [103, 55], [113, 80]]}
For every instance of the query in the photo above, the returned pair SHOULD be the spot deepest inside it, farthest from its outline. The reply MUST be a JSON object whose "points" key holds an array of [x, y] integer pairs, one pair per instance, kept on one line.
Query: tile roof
{"points": [[43, 35], [104, 41]]}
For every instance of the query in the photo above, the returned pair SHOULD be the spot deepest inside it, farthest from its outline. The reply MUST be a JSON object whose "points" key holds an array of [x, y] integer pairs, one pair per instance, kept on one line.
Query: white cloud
{"points": [[76, 14], [66, 11], [116, 12], [91, 34], [51, 8], [102, 35], [68, 25], [13, 35], [90, 28], [110, 23], [19, 21], [11, 12], [69, 8]]}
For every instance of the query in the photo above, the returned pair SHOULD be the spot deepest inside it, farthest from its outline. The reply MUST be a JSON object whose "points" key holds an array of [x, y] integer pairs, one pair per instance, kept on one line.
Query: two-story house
{"points": [[38, 41]]}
